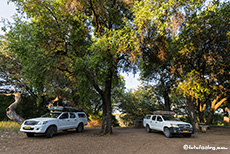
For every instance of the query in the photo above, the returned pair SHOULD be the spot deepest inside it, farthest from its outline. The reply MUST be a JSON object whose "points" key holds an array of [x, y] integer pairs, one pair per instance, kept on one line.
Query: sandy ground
{"points": [[123, 141]]}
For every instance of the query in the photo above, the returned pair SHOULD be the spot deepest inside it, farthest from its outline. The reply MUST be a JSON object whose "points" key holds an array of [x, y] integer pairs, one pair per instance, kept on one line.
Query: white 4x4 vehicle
{"points": [[168, 124], [61, 119]]}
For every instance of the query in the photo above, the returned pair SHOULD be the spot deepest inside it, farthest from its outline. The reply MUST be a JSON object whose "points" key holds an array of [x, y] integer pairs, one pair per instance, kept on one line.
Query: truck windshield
{"points": [[50, 115], [170, 118]]}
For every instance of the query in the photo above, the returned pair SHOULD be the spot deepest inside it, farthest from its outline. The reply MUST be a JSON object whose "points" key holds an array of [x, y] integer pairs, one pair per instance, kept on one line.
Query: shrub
{"points": [[218, 119]]}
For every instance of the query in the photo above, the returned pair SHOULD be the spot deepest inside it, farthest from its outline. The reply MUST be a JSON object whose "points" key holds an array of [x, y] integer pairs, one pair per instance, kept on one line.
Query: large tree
{"points": [[200, 46], [202, 62], [80, 46], [158, 23]]}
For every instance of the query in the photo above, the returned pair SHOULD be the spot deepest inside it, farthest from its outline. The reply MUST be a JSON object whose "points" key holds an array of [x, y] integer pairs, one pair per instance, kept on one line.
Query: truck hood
{"points": [[177, 122], [41, 119]]}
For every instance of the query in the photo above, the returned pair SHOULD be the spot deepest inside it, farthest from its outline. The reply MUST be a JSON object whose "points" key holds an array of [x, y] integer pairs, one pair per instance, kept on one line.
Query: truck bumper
{"points": [[33, 129], [175, 130]]}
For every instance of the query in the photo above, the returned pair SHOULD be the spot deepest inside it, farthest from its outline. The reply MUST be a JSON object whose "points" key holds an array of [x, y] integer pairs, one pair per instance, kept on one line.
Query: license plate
{"points": [[185, 131], [27, 127]]}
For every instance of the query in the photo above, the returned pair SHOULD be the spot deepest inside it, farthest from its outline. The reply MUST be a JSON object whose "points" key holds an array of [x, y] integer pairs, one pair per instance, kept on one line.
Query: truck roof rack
{"points": [[163, 113], [64, 109]]}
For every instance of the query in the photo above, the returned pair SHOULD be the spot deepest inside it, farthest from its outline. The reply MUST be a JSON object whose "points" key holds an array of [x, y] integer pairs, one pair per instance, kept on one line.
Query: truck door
{"points": [[64, 121], [159, 123], [82, 118], [152, 122], [73, 120]]}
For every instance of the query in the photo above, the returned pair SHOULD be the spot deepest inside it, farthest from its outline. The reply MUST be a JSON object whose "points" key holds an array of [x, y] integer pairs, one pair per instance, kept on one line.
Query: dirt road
{"points": [[123, 141]]}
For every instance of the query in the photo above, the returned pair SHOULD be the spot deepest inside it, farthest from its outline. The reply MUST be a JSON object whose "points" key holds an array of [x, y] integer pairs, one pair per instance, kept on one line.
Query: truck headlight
{"points": [[174, 125], [42, 122]]}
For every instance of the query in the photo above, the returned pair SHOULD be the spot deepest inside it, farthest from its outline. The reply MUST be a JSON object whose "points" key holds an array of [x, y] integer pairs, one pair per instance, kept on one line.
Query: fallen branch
{"points": [[10, 111]]}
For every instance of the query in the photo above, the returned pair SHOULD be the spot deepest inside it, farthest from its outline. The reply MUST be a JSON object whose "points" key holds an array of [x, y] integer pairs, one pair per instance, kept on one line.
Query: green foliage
{"points": [[45, 46], [5, 102], [203, 52], [160, 14], [218, 119], [193, 86], [80, 47], [95, 120], [28, 107], [184, 118], [135, 105]]}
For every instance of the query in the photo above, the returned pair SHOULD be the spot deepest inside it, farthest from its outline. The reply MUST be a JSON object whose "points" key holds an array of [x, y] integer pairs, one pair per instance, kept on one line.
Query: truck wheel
{"points": [[167, 133], [80, 128], [50, 131], [148, 129], [30, 134]]}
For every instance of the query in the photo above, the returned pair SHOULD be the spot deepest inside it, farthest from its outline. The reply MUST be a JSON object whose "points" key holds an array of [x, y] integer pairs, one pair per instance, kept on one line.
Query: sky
{"points": [[8, 10]]}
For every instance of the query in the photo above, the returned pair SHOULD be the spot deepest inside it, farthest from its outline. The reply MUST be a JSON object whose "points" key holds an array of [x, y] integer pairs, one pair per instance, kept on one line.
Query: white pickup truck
{"points": [[168, 124], [60, 118]]}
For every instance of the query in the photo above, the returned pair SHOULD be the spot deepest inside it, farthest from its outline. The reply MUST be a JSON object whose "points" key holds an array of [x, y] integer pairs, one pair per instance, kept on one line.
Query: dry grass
{"points": [[9, 126]]}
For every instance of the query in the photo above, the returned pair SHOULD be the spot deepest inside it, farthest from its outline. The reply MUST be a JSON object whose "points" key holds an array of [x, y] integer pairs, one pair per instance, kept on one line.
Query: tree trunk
{"points": [[192, 113], [201, 109], [105, 94], [210, 117], [201, 116], [107, 118], [10, 111], [215, 105], [167, 100], [52, 102], [107, 109]]}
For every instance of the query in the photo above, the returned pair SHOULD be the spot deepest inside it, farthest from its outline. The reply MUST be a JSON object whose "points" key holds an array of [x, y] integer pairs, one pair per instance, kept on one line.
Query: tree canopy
{"points": [[75, 50]]}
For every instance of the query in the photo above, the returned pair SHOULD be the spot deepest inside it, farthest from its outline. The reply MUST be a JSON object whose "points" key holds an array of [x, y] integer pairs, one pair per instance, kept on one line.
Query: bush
{"points": [[96, 121], [218, 119]]}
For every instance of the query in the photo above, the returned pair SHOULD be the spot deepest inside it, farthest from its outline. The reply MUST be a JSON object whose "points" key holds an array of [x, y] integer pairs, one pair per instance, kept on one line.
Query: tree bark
{"points": [[10, 111], [52, 102], [192, 113], [210, 117], [107, 109], [201, 109], [167, 100], [105, 94], [215, 105], [201, 116]]}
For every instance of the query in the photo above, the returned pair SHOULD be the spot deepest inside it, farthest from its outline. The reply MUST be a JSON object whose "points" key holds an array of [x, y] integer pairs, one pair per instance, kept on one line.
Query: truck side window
{"points": [[64, 116], [153, 118], [80, 115], [159, 118], [72, 115]]}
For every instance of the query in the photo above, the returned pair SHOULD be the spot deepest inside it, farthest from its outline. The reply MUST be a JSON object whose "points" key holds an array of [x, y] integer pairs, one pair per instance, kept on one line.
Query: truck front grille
{"points": [[183, 125], [31, 123]]}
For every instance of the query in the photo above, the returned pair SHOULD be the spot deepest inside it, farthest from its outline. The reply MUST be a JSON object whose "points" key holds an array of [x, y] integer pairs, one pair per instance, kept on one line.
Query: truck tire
{"points": [[167, 133], [80, 128], [148, 129], [50, 131], [30, 134]]}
